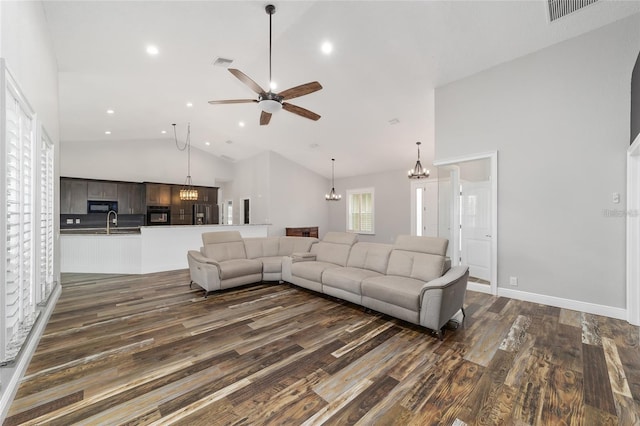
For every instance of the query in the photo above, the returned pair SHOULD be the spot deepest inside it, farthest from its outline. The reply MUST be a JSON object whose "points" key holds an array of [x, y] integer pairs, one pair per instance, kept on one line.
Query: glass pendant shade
{"points": [[418, 172], [188, 192], [332, 195]]}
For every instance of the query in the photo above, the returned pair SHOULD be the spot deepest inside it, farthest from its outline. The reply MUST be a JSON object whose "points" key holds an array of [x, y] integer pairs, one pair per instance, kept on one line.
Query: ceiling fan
{"points": [[268, 101]]}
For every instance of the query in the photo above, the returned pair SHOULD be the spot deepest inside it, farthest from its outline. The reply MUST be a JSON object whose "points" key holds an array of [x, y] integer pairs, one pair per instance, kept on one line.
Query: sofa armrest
{"points": [[204, 271], [441, 298]]}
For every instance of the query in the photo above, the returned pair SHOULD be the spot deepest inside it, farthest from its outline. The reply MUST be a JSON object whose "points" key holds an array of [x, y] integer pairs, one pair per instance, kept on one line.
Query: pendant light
{"points": [[332, 196], [418, 172], [188, 192]]}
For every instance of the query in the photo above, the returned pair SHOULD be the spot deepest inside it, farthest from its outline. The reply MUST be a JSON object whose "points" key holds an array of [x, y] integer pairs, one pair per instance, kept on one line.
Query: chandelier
{"points": [[188, 192], [332, 196], [418, 172]]}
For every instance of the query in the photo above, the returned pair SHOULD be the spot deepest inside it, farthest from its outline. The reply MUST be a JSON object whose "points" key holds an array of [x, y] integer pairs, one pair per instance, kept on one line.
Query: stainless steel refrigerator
{"points": [[205, 214]]}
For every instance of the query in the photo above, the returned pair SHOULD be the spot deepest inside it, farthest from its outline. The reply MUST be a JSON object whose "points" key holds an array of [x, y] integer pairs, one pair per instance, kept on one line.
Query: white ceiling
{"points": [[388, 57]]}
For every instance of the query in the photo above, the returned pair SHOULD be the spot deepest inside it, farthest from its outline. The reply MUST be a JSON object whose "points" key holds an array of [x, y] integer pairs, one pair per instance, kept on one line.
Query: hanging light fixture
{"points": [[418, 172], [188, 192], [332, 196]]}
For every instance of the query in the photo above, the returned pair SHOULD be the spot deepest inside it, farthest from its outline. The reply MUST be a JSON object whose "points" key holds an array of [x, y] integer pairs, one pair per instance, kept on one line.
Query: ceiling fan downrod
{"points": [[270, 9]]}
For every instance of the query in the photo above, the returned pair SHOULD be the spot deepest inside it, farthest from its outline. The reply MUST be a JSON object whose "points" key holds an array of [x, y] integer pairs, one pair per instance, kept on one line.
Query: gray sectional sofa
{"points": [[411, 280]]}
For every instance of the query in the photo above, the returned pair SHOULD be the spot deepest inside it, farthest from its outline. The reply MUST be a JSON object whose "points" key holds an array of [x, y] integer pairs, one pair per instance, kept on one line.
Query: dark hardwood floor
{"points": [[150, 350]]}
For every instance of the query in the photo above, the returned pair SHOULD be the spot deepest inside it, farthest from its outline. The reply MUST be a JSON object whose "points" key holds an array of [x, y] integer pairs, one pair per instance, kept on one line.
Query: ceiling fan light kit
{"points": [[268, 101], [418, 172]]}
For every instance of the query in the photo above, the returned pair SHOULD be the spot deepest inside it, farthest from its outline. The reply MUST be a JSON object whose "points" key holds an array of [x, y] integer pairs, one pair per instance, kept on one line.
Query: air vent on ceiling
{"points": [[222, 62], [560, 8]]}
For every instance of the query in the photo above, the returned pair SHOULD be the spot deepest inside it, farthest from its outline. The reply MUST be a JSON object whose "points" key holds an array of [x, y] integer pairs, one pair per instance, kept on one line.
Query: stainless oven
{"points": [[158, 215]]}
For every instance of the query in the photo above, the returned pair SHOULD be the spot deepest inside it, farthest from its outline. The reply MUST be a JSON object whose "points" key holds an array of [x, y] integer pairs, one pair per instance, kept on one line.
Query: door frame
{"points": [[492, 156], [633, 232]]}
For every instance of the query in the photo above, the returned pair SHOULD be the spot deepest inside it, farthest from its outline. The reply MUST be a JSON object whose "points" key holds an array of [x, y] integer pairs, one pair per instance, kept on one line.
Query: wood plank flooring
{"points": [[124, 350]]}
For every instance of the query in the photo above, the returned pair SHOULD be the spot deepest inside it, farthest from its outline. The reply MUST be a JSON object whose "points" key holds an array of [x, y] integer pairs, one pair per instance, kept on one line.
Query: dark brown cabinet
{"points": [[102, 190], [131, 198], [73, 196], [181, 211], [158, 194], [309, 231]]}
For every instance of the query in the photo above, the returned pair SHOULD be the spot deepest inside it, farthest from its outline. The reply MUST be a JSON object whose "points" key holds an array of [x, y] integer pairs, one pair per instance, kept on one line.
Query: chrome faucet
{"points": [[115, 220]]}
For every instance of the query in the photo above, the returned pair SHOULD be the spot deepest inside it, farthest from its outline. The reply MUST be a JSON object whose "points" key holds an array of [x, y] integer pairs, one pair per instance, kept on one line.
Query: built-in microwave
{"points": [[158, 215], [99, 206]]}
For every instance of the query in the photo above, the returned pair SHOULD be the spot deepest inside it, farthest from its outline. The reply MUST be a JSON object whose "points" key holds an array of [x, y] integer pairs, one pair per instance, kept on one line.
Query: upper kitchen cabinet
{"points": [[207, 195], [131, 198], [158, 194], [102, 190], [73, 196]]}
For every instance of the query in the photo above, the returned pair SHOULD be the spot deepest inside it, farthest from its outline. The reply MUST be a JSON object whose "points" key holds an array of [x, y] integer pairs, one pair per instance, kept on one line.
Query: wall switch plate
{"points": [[513, 281], [616, 197]]}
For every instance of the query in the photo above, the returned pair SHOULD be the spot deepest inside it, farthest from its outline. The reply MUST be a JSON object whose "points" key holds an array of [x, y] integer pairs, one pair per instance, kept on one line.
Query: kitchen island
{"points": [[152, 249]]}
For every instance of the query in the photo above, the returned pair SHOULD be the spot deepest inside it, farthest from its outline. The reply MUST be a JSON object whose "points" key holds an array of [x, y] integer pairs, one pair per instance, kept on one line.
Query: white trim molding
{"points": [[559, 302], [633, 233]]}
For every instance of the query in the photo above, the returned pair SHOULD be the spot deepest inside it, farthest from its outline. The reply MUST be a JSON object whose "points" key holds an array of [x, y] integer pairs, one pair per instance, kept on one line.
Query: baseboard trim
{"points": [[16, 371], [480, 288], [558, 302]]}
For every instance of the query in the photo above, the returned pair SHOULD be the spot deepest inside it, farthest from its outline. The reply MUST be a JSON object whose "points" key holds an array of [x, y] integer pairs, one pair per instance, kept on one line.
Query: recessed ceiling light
{"points": [[110, 111], [164, 132], [207, 143], [189, 104], [326, 47], [152, 50], [241, 123], [273, 85], [107, 132]]}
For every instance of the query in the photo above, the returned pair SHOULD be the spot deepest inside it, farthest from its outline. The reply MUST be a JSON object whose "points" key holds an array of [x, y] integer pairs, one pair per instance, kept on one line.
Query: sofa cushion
{"points": [[290, 245], [420, 266], [271, 264], [311, 270], [347, 278], [261, 247], [238, 267], [429, 245], [371, 256], [224, 245], [400, 291]]}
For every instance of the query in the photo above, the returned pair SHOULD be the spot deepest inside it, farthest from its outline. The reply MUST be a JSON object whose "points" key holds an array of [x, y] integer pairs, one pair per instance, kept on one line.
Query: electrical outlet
{"points": [[77, 221], [513, 281]]}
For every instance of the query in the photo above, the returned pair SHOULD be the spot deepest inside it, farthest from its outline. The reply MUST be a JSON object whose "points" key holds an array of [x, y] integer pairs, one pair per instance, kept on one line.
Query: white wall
{"points": [[297, 197], [559, 119], [140, 161], [392, 207], [28, 51]]}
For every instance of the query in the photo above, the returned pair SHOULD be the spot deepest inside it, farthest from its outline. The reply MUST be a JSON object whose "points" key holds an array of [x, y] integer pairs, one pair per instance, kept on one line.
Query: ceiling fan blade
{"points": [[233, 101], [265, 117], [301, 111], [246, 80], [303, 89]]}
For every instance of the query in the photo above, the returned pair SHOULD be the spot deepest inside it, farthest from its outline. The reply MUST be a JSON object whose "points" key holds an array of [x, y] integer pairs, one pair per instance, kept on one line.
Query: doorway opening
{"points": [[467, 216], [633, 232]]}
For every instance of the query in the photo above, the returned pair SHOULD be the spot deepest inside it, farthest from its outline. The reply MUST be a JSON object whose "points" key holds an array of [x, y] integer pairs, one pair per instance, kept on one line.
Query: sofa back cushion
{"points": [[422, 258], [261, 247], [334, 247], [290, 245], [371, 256], [225, 245]]}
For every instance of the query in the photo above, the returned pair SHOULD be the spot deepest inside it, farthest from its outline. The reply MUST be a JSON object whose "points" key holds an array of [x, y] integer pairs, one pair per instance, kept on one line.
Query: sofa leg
{"points": [[441, 334], [191, 284], [464, 314]]}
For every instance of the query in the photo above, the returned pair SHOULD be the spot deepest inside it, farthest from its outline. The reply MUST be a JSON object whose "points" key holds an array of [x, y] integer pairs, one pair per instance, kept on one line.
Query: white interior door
{"points": [[475, 228]]}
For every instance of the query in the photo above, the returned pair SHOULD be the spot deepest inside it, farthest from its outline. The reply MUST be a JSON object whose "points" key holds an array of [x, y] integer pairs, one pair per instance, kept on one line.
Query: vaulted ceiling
{"points": [[379, 80]]}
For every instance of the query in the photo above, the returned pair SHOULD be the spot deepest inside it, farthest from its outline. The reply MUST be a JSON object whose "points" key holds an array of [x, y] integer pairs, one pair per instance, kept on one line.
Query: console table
{"points": [[309, 231]]}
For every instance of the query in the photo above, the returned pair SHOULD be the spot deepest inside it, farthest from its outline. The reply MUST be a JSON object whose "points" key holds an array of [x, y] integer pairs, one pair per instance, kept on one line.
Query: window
{"points": [[360, 206], [46, 218]]}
